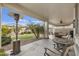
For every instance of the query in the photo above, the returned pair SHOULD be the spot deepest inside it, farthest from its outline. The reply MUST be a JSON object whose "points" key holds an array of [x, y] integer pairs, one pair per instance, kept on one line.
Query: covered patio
{"points": [[61, 16], [37, 48]]}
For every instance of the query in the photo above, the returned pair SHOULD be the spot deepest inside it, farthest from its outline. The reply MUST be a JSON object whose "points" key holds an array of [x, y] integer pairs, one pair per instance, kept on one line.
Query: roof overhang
{"points": [[22, 10], [53, 12]]}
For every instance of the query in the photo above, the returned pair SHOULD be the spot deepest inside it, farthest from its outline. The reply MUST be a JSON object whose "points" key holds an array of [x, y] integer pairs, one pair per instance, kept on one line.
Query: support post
{"points": [[76, 18], [0, 24], [76, 31], [46, 29]]}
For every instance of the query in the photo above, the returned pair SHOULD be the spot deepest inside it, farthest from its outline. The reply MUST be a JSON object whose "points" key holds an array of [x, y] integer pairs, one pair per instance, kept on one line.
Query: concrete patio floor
{"points": [[37, 48]]}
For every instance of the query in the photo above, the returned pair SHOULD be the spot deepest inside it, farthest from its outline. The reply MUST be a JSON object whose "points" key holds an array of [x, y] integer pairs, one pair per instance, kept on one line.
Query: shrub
{"points": [[6, 40], [28, 32]]}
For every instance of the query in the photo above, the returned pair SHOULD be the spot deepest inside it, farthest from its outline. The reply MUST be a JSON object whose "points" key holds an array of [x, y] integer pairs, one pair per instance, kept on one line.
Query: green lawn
{"points": [[25, 36], [2, 52]]}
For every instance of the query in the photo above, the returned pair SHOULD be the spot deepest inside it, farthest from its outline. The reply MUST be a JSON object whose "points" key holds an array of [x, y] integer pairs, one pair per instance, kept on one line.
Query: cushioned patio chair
{"points": [[55, 52]]}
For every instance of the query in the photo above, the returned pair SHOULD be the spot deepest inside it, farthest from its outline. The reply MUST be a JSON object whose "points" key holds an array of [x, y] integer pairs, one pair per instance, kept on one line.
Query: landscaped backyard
{"points": [[9, 35], [24, 36]]}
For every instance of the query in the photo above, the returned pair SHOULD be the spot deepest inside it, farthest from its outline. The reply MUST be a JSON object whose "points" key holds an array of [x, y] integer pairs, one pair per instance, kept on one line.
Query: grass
{"points": [[2, 52], [24, 36]]}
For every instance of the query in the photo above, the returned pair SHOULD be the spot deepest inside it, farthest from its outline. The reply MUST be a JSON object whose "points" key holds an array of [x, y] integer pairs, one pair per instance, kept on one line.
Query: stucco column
{"points": [[46, 29], [76, 30], [76, 18]]}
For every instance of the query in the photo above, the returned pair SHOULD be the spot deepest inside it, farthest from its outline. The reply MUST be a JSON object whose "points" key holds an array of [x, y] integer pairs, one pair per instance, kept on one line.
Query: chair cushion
{"points": [[51, 52]]}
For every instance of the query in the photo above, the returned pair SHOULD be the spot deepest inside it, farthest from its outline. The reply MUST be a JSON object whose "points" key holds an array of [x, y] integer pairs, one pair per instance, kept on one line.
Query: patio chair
{"points": [[55, 52]]}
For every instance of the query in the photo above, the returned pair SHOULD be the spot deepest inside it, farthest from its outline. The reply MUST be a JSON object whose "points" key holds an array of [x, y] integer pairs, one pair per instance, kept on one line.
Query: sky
{"points": [[8, 20]]}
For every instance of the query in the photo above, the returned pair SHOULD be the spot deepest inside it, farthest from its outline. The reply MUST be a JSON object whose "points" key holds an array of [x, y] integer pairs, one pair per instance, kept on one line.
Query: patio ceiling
{"points": [[54, 12]]}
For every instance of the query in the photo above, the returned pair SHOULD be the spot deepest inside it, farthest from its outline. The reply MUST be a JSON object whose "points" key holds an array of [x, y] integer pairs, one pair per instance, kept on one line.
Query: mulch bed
{"points": [[23, 42]]}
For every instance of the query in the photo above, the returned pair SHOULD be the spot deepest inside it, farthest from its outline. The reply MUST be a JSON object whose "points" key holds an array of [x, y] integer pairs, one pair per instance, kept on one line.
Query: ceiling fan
{"points": [[61, 21]]}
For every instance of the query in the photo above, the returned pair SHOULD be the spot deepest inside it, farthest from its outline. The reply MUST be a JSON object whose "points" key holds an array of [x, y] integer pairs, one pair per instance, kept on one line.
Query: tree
{"points": [[5, 38], [36, 29], [5, 30]]}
